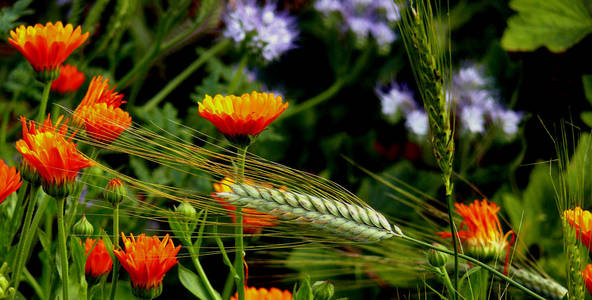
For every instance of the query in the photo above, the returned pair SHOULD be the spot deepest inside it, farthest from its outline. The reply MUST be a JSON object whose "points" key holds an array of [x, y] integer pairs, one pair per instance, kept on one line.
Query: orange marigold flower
{"points": [[587, 274], [253, 220], [147, 259], [10, 180], [241, 118], [483, 235], [70, 80], [100, 112], [98, 262], [47, 47], [55, 158], [581, 221], [252, 293]]}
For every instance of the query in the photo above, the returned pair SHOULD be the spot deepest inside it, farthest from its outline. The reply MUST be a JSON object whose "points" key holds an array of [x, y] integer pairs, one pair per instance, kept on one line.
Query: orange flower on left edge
{"points": [[47, 151], [100, 112], [10, 180], [253, 221], [70, 80], [587, 275], [47, 46], [147, 259]]}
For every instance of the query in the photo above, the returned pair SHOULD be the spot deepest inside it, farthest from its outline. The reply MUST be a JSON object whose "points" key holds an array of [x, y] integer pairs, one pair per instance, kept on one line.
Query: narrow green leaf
{"points": [[193, 283], [304, 292]]}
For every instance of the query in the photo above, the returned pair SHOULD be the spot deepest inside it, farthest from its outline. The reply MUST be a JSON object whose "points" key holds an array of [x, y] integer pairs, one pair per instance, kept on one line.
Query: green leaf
{"points": [[193, 284], [304, 292], [587, 82], [555, 24], [587, 117], [10, 14]]}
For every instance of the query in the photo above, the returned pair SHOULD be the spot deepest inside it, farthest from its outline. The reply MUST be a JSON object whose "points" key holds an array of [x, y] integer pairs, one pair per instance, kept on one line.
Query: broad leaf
{"points": [[555, 24], [193, 284]]}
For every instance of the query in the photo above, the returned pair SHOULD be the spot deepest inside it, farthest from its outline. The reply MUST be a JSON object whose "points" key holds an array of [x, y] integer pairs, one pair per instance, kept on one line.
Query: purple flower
{"points": [[508, 121], [398, 99], [327, 6], [417, 122], [266, 31], [472, 119], [383, 34]]}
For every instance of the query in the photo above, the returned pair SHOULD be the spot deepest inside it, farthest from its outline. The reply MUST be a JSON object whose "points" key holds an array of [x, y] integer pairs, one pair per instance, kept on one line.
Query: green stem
{"points": [[115, 276], [21, 257], [33, 283], [44, 100], [238, 75], [200, 271], [238, 229], [62, 247], [204, 57], [448, 283], [314, 101], [455, 241], [477, 262]]}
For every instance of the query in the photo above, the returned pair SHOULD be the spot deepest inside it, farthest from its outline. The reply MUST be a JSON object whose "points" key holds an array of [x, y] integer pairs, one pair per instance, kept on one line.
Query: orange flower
{"points": [[587, 274], [10, 180], [147, 259], [581, 220], [98, 262], [252, 293], [55, 158], [483, 235], [253, 220], [100, 114], [240, 118], [70, 80], [47, 47]]}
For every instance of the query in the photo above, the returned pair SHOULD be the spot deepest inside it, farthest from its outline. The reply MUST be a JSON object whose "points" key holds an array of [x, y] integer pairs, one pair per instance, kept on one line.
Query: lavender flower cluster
{"points": [[264, 30], [475, 102], [365, 19]]}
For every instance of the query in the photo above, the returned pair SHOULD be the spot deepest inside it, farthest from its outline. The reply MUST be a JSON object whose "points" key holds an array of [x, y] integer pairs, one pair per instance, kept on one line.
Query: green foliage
{"points": [[304, 291], [192, 283], [555, 24], [9, 16]]}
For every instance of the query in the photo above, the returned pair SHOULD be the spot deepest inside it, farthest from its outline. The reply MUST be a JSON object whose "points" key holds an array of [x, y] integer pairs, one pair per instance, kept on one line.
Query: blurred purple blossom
{"points": [[265, 30], [397, 99], [472, 119], [417, 122]]}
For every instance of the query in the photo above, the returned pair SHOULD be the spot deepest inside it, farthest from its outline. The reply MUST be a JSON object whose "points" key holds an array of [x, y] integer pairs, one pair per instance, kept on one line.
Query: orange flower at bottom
{"points": [[147, 259], [70, 80], [587, 274], [581, 221], [252, 293], [253, 220], [98, 262], [483, 235], [10, 180]]}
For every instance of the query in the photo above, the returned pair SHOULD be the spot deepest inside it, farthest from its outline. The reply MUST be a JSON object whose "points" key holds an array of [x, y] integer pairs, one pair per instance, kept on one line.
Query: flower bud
{"points": [[323, 290], [115, 192], [437, 258], [186, 210], [83, 227], [29, 174]]}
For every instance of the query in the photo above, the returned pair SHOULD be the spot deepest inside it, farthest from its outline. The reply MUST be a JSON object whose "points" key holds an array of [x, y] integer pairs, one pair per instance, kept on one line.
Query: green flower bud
{"points": [[83, 227], [3, 285], [323, 290], [437, 258], [147, 293], [186, 210], [57, 190], [29, 174], [115, 192]]}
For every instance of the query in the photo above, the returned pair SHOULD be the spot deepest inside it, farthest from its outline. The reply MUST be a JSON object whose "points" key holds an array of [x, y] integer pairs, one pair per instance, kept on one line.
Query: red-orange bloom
{"points": [[147, 259], [47, 47], [483, 234], [253, 220], [70, 80], [587, 274], [238, 118], [10, 180], [581, 220], [252, 293], [98, 262], [54, 157], [100, 112]]}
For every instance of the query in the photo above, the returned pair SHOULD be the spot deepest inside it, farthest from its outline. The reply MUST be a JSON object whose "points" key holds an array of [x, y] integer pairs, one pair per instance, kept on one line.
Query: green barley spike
{"points": [[542, 286], [346, 220]]}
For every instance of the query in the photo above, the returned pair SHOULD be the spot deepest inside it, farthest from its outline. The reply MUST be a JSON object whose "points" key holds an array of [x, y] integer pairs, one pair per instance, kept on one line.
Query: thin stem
{"points": [[62, 247], [205, 56], [238, 229], [115, 276], [477, 262], [447, 282], [33, 283], [314, 101], [44, 100], [237, 76], [455, 240], [21, 257]]}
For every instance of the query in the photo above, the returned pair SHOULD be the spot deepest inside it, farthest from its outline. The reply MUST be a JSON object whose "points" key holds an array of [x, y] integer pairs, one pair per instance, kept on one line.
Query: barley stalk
{"points": [[346, 220], [542, 286]]}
